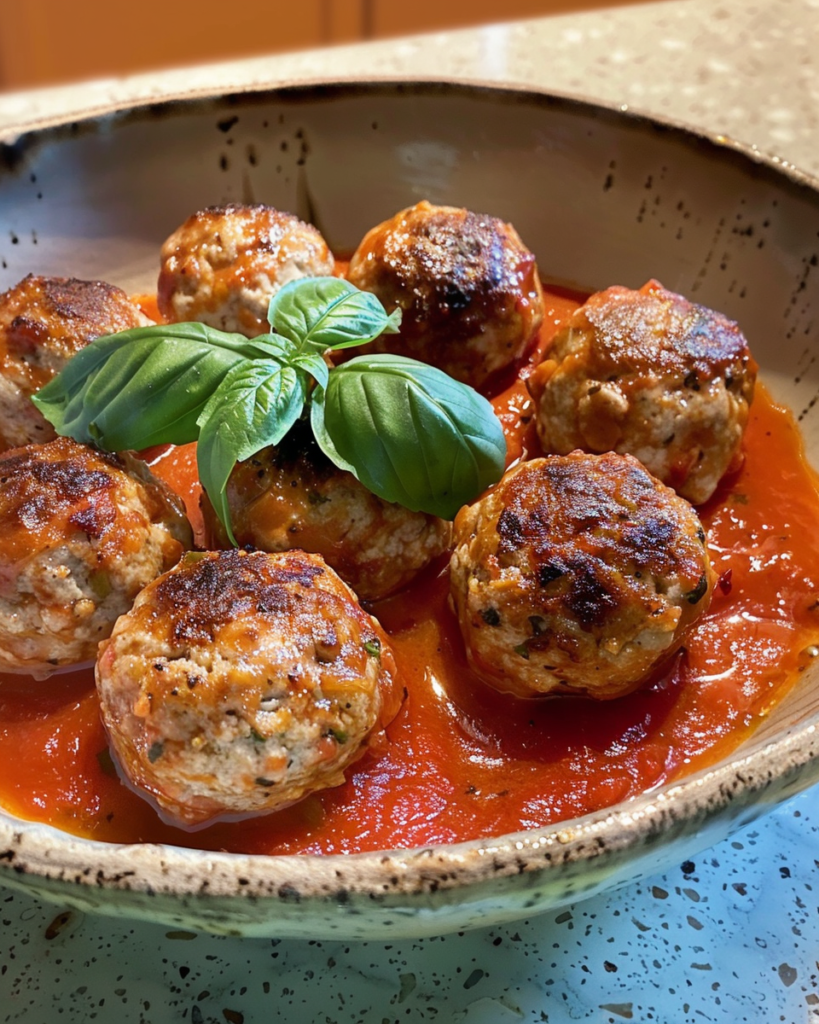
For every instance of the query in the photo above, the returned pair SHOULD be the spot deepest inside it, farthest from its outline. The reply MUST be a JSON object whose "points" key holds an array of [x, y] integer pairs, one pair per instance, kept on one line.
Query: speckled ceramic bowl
{"points": [[601, 196]]}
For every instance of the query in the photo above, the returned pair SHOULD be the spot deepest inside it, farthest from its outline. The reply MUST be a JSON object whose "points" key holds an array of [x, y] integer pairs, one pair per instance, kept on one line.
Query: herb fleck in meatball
{"points": [[44, 321], [241, 682], [81, 533], [468, 288], [577, 574], [224, 264], [649, 373], [292, 496]]}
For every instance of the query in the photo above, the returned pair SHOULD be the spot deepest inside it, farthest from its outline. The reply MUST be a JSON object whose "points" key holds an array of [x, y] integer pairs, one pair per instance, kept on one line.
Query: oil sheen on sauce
{"points": [[465, 762]]}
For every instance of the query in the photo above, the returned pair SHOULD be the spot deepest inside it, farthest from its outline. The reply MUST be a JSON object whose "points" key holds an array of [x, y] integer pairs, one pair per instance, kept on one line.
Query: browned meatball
{"points": [[225, 263], [292, 496], [577, 574], [81, 533], [239, 683], [44, 321], [649, 373], [468, 288]]}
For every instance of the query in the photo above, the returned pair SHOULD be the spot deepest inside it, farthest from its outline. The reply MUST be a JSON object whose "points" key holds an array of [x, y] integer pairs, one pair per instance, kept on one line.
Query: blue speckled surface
{"points": [[728, 937]]}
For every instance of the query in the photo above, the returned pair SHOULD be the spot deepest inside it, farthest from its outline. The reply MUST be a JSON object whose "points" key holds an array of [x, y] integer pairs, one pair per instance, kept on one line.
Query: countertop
{"points": [[747, 70], [730, 935]]}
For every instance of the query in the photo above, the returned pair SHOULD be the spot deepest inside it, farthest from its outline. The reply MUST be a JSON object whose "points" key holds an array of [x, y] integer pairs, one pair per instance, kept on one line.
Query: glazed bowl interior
{"points": [[602, 197]]}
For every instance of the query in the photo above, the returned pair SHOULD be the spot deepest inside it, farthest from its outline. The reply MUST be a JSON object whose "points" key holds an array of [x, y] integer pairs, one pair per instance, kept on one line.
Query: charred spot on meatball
{"points": [[292, 496], [81, 532], [216, 591], [650, 374], [467, 286], [224, 264], [241, 682], [577, 574], [44, 321]]}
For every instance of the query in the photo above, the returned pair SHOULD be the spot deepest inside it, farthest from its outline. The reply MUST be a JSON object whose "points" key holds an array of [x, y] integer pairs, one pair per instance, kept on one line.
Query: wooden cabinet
{"points": [[387, 18], [49, 41]]}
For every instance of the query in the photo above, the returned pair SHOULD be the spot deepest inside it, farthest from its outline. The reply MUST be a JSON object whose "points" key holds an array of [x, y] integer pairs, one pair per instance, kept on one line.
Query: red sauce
{"points": [[466, 762]]}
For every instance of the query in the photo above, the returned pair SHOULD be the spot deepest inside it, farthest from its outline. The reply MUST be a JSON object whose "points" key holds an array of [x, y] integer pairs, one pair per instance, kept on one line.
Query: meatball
{"points": [[291, 496], [241, 682], [468, 288], [649, 373], [81, 533], [577, 574], [44, 321], [225, 263]]}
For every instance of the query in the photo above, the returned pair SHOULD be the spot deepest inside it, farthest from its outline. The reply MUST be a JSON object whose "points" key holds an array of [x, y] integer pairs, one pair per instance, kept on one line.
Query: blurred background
{"points": [[47, 42]]}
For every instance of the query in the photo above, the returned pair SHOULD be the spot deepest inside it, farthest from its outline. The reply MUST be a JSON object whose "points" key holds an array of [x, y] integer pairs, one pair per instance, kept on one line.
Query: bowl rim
{"points": [[159, 868], [327, 87], [776, 770]]}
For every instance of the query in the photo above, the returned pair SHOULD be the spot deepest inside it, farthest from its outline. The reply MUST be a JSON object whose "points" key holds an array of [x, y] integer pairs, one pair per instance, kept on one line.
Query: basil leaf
{"points": [[141, 387], [409, 432], [327, 312], [254, 406], [314, 364], [318, 425], [276, 346]]}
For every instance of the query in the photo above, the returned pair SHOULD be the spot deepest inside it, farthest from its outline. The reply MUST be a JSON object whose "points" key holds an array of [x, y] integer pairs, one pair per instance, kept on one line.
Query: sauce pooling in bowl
{"points": [[464, 761]]}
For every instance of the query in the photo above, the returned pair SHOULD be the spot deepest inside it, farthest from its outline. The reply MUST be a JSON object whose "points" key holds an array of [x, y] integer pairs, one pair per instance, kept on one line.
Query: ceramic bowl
{"points": [[601, 196]]}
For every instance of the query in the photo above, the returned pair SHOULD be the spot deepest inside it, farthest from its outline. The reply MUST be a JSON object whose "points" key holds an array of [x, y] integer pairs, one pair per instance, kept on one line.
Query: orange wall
{"points": [[49, 41]]}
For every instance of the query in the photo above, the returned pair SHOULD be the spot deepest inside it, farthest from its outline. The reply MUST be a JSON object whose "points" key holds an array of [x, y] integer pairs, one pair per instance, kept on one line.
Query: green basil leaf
{"points": [[322, 435], [409, 432], [327, 312], [141, 387], [276, 346], [314, 364], [254, 406]]}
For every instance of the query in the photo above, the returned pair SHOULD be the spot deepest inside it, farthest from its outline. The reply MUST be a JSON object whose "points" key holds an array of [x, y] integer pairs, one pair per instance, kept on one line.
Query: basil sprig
{"points": [[407, 431]]}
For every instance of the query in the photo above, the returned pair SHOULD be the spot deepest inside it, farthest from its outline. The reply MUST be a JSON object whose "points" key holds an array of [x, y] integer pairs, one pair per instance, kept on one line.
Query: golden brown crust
{"points": [[62, 313], [240, 682], [224, 264], [591, 531], [211, 593], [44, 321], [576, 573], [53, 491], [655, 331], [651, 374], [81, 532], [468, 288]]}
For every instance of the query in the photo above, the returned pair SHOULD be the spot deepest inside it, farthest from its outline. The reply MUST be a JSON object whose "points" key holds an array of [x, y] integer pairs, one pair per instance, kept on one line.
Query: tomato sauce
{"points": [[465, 762]]}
